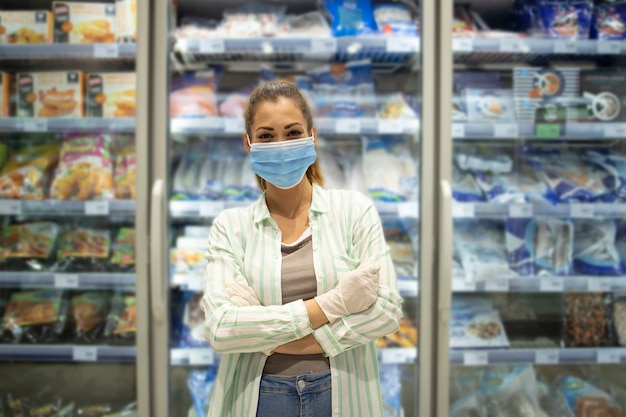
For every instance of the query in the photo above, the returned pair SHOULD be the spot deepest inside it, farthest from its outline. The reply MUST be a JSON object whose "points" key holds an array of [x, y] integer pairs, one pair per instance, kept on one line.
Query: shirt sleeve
{"points": [[232, 329], [383, 317]]}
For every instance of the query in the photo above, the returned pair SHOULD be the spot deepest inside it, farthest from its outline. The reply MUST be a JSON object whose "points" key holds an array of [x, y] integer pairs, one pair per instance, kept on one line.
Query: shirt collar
{"points": [[319, 204]]}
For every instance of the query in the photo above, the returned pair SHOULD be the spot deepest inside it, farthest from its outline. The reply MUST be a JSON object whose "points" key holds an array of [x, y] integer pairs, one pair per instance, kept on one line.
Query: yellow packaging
{"points": [[5, 97], [126, 20], [50, 94], [83, 22], [111, 94], [20, 27]]}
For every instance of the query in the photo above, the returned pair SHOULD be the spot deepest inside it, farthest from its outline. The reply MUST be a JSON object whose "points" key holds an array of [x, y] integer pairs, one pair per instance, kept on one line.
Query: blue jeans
{"points": [[307, 395]]}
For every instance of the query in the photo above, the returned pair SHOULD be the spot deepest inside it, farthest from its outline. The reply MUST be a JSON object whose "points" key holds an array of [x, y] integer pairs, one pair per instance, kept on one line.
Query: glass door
{"points": [[72, 303], [534, 159], [364, 81]]}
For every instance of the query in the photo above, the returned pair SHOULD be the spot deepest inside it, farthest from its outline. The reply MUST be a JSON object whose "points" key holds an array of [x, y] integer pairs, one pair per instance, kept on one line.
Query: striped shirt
{"points": [[246, 242]]}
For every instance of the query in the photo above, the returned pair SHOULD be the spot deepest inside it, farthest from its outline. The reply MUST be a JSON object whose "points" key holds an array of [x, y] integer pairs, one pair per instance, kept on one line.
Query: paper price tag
{"points": [[10, 207], [96, 208], [608, 356], [403, 45], [211, 208], [85, 354], [582, 211], [458, 131], [66, 281], [398, 355], [463, 45], [475, 358], [195, 283], [390, 126], [599, 284], [547, 357], [234, 125], [212, 46], [551, 284], [192, 46], [615, 130], [408, 210], [106, 50], [521, 211], [497, 285], [609, 47], [408, 288], [508, 130], [463, 210], [348, 126], [200, 356], [511, 45], [462, 285], [324, 45], [35, 125], [565, 47]]}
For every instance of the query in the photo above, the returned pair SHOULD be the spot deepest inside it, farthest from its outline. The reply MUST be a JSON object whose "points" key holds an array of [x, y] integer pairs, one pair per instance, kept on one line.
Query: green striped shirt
{"points": [[245, 242]]}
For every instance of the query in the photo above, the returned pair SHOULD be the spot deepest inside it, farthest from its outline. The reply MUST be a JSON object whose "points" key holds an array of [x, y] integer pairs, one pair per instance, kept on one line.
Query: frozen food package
{"points": [[6, 93], [121, 324], [252, 20], [554, 245], [192, 331], [35, 317], [580, 395], [480, 246], [490, 105], [28, 246], [511, 393], [477, 329], [520, 245], [125, 173], [76, 22], [605, 93], [391, 384], [305, 25], [619, 317], [200, 384], [187, 261], [520, 186], [194, 95], [351, 17], [389, 170], [89, 311], [394, 106], [344, 90], [234, 105], [25, 27], [334, 177], [609, 21], [470, 404], [463, 25], [480, 158], [570, 19], [85, 170], [485, 80], [27, 173], [83, 249], [587, 320], [123, 252], [595, 252], [111, 94], [126, 21], [464, 186], [395, 19], [50, 94]]}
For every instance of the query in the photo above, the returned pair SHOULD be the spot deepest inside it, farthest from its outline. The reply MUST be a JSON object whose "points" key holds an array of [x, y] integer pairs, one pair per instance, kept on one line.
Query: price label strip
{"points": [[609, 47], [324, 46], [212, 46], [97, 208], [475, 358], [106, 50], [608, 355], [463, 45], [463, 210], [233, 125], [85, 354], [398, 355], [565, 47], [551, 284], [582, 211], [497, 285], [66, 281], [35, 125], [348, 126], [391, 126], [508, 130], [408, 210], [201, 356], [463, 285], [615, 130], [458, 131], [10, 207], [547, 357], [403, 45], [211, 208], [521, 211], [599, 284]]}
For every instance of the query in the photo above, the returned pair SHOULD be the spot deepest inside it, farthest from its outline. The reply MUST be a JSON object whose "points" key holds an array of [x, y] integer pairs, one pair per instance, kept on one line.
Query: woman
{"points": [[299, 285]]}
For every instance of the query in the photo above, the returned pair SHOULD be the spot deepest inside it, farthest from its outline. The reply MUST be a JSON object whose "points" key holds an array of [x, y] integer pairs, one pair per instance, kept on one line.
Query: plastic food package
{"points": [[587, 320], [192, 332], [34, 317], [490, 105], [480, 246], [517, 187], [27, 246], [391, 384], [194, 95], [200, 384], [121, 324], [570, 19], [125, 173], [26, 173], [123, 254], [477, 329], [487, 159], [581, 395], [82, 249], [50, 94], [111, 94], [463, 23], [511, 393], [306, 25], [470, 404], [395, 19], [395, 106], [605, 95], [334, 177], [351, 17], [85, 169], [389, 171], [89, 311], [609, 21], [595, 252], [464, 186], [76, 22], [252, 20]]}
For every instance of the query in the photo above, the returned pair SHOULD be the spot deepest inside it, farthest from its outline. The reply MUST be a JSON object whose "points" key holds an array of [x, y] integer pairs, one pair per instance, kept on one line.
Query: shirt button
{"points": [[336, 411], [301, 384]]}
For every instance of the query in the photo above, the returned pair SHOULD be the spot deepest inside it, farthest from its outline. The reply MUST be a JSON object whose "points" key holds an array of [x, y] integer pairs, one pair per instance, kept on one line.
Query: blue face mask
{"points": [[282, 164]]}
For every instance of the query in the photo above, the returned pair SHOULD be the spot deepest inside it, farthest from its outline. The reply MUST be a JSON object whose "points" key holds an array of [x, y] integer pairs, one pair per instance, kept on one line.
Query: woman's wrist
{"points": [[317, 318]]}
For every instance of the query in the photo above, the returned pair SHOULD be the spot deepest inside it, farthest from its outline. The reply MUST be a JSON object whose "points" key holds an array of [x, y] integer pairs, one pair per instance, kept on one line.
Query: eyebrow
{"points": [[286, 126]]}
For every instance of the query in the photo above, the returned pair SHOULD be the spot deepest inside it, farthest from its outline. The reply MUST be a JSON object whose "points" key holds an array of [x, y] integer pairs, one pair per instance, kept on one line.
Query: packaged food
{"points": [[5, 94], [609, 21], [477, 329], [605, 95], [34, 317], [200, 383], [490, 105], [111, 94], [194, 95], [395, 106], [126, 173], [187, 261], [27, 172], [470, 404], [76, 22], [395, 19], [121, 324], [27, 246], [50, 94], [519, 186], [252, 20], [463, 25], [126, 20], [569, 19], [511, 393], [89, 311], [580, 396], [481, 248], [595, 252], [123, 256], [305, 25], [405, 337], [351, 17], [85, 169], [464, 186], [587, 320], [192, 331], [82, 249], [619, 318], [22, 27]]}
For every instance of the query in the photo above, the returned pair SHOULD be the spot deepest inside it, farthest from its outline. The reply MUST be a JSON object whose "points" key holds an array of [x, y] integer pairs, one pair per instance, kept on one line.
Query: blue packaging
{"points": [[464, 187], [391, 383], [595, 252], [569, 19], [351, 17], [520, 245], [524, 16], [609, 21], [516, 187], [554, 246], [200, 384], [192, 322], [395, 19]]}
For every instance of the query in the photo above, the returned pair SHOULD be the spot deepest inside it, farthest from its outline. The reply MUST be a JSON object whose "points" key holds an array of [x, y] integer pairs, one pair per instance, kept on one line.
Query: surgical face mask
{"points": [[282, 164]]}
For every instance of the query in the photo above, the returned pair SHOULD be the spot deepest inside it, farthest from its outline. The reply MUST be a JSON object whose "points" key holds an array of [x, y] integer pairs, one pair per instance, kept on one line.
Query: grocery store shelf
{"points": [[513, 130], [523, 210], [67, 353], [608, 355], [108, 51], [67, 208], [344, 126], [118, 281], [61, 125], [542, 284]]}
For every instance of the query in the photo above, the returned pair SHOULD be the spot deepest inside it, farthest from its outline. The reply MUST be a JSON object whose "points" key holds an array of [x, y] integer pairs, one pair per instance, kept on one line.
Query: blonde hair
{"points": [[272, 91]]}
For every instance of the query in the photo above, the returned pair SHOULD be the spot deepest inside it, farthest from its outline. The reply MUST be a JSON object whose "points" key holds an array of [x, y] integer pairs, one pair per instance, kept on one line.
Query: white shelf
{"points": [[60, 125], [68, 280], [551, 284], [67, 207], [67, 353], [345, 126], [514, 130], [463, 46], [57, 51], [563, 210], [557, 356]]}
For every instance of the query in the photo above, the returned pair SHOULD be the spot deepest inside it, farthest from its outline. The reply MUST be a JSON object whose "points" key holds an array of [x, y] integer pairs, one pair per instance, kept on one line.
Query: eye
{"points": [[265, 136], [294, 132]]}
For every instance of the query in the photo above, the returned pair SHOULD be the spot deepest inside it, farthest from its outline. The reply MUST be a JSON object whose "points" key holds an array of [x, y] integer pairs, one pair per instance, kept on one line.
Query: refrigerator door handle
{"points": [[445, 252], [158, 279]]}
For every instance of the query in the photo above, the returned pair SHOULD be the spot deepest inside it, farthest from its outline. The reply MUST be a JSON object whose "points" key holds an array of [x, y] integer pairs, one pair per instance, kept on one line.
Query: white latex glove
{"points": [[356, 291]]}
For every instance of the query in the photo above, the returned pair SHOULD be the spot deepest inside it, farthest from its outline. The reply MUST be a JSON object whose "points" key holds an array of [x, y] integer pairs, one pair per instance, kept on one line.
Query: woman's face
{"points": [[276, 122]]}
